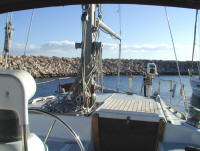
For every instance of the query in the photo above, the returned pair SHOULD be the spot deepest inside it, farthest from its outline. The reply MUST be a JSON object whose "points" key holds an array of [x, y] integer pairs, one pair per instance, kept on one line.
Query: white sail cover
{"points": [[14, 5]]}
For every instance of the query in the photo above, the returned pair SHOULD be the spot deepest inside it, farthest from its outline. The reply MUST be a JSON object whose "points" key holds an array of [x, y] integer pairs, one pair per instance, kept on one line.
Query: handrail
{"points": [[171, 96], [170, 90], [72, 132], [168, 119]]}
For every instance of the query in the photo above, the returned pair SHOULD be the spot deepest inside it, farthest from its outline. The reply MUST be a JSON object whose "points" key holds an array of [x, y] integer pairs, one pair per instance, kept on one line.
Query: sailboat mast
{"points": [[84, 92], [88, 25]]}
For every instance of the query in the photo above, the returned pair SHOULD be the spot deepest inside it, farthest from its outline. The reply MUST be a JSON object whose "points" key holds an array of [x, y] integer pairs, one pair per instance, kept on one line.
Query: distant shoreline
{"points": [[47, 67]]}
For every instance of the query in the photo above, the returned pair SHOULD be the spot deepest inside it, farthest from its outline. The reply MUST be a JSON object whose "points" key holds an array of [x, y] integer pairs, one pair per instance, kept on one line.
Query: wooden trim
{"points": [[160, 133], [161, 129], [95, 131]]}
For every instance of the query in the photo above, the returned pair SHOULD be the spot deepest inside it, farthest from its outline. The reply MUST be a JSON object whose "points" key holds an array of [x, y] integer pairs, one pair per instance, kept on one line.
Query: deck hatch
{"points": [[133, 103], [118, 135]]}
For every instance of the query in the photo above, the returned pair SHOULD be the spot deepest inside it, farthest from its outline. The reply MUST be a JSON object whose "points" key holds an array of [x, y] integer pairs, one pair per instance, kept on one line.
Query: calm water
{"points": [[46, 89]]}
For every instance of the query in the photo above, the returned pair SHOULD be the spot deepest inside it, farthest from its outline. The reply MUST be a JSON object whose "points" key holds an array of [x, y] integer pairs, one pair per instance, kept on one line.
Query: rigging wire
{"points": [[194, 41], [182, 86], [198, 63], [114, 38], [84, 29], [86, 94], [28, 35], [100, 74], [119, 59]]}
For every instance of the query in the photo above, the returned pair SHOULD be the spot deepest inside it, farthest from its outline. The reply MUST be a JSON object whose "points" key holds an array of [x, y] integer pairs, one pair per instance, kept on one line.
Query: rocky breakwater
{"points": [[42, 67], [137, 67]]}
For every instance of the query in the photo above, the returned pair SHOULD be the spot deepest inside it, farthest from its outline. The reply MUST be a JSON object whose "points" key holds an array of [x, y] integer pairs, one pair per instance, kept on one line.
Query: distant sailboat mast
{"points": [[8, 40]]}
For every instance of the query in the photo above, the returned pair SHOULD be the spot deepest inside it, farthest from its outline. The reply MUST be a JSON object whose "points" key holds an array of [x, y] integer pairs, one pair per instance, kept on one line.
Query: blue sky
{"points": [[145, 32]]}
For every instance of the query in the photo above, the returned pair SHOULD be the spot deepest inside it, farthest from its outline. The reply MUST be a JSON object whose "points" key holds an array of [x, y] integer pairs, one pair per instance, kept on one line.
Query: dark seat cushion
{"points": [[9, 126]]}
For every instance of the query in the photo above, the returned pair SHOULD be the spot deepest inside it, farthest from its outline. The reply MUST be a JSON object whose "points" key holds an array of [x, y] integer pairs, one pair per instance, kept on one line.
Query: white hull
{"points": [[195, 84], [174, 135], [40, 124], [177, 133]]}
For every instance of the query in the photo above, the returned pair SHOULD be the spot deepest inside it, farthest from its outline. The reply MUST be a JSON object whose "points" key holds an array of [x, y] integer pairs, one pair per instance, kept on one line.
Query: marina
{"points": [[91, 112]]}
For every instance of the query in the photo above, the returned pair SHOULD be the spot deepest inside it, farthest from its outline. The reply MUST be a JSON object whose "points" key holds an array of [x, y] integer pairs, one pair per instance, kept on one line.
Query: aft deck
{"points": [[132, 103], [134, 106], [127, 122]]}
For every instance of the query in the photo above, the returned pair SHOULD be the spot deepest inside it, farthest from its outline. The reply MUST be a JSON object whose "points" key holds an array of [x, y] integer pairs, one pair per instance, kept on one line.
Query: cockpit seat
{"points": [[10, 129], [16, 88]]}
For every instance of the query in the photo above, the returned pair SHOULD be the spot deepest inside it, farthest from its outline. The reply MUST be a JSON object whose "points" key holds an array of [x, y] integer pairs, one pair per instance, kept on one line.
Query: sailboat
{"points": [[195, 84], [82, 119], [195, 80]]}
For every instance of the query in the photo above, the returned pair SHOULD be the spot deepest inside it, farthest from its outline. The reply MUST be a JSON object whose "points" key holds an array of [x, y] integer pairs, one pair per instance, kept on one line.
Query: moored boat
{"points": [[195, 85]]}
